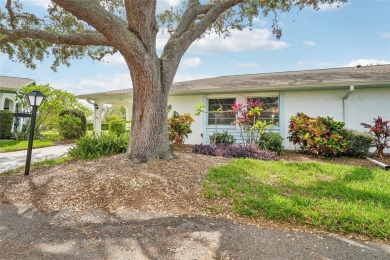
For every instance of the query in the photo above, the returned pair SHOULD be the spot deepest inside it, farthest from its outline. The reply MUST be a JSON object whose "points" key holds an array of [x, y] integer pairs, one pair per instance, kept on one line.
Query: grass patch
{"points": [[18, 145], [346, 199], [47, 162]]}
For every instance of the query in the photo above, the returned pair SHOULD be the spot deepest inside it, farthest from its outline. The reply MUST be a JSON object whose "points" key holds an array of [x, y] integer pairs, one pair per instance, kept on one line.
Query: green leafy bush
{"points": [[117, 127], [77, 128], [69, 126], [179, 127], [105, 127], [318, 136], [91, 147], [359, 143], [6, 120], [89, 126], [222, 138], [271, 141]]}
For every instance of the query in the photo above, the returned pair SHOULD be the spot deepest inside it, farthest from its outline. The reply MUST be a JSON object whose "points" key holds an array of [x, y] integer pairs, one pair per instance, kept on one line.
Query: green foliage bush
{"points": [[105, 127], [222, 138], [72, 124], [117, 127], [271, 141], [91, 147], [77, 113], [69, 126], [89, 126], [6, 120], [359, 143], [318, 136], [179, 127]]}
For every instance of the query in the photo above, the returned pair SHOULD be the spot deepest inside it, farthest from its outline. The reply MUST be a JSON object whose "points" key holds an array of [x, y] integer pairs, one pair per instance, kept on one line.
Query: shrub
{"points": [[90, 147], [117, 127], [381, 132], [105, 127], [271, 141], [179, 127], [235, 151], [318, 136], [6, 120], [359, 143], [70, 126], [222, 138], [89, 126], [79, 130]]}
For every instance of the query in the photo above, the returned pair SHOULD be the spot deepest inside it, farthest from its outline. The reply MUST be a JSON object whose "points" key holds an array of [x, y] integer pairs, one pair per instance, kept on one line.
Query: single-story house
{"points": [[9, 86], [350, 94]]}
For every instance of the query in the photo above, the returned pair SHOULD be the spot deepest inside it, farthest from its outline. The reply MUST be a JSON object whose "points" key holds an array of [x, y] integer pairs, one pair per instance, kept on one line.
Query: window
{"points": [[224, 117], [270, 109]]}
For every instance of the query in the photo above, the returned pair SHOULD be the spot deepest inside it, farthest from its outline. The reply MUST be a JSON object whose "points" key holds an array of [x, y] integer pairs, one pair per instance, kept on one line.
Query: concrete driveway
{"points": [[12, 160]]}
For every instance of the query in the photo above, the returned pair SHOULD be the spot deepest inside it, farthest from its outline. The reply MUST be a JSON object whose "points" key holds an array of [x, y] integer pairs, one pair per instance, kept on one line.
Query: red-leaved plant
{"points": [[381, 133], [248, 119]]}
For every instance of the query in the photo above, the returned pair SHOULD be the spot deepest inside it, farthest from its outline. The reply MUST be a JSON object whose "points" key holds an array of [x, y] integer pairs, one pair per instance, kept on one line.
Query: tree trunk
{"points": [[149, 129]]}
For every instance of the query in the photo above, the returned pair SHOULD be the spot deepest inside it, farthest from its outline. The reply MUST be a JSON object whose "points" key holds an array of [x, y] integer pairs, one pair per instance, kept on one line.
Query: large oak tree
{"points": [[76, 28]]}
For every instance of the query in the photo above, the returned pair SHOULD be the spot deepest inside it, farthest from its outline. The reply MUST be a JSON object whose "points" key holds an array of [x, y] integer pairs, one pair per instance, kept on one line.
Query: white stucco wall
{"points": [[187, 104], [361, 106]]}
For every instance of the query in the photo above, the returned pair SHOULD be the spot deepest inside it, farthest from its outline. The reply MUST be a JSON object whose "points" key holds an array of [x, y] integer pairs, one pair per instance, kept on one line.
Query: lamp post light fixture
{"points": [[35, 98]]}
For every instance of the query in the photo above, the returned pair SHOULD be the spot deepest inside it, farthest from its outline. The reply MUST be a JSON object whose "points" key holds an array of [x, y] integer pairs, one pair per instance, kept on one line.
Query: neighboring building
{"points": [[9, 86], [352, 95]]}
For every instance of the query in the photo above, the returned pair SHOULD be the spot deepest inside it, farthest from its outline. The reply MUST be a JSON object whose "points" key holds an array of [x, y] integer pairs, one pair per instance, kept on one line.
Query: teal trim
{"points": [[282, 115], [205, 120]]}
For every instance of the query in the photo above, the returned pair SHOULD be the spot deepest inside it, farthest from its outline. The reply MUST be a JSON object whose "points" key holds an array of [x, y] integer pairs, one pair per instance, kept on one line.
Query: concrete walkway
{"points": [[12, 160]]}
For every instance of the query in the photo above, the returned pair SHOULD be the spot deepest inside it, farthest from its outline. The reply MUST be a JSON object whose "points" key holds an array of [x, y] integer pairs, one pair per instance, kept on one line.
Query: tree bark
{"points": [[149, 129]]}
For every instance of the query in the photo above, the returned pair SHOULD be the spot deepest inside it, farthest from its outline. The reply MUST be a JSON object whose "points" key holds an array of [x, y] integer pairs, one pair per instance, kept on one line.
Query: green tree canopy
{"points": [[56, 101]]}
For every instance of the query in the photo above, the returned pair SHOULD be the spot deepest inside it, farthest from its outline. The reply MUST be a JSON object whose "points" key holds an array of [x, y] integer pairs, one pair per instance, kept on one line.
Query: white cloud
{"points": [[309, 43], [242, 65], [98, 84], [163, 5], [40, 3], [331, 7], [258, 21], [239, 41], [187, 77], [303, 62], [306, 63], [116, 59], [190, 63], [386, 35], [366, 62]]}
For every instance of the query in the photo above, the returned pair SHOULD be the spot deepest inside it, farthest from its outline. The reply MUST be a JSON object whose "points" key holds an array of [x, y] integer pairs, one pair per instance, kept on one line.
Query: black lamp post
{"points": [[35, 98]]}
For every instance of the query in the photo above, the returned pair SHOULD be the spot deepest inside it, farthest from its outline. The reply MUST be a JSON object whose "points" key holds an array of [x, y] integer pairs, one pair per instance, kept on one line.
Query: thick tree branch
{"points": [[188, 31], [112, 27], [81, 39], [141, 18]]}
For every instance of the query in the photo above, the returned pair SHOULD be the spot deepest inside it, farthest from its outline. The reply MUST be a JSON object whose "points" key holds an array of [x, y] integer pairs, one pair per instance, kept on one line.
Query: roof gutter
{"points": [[345, 103]]}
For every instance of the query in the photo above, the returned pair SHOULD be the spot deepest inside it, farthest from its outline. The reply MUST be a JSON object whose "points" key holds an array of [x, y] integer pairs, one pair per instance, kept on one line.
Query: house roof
{"points": [[12, 83], [336, 78]]}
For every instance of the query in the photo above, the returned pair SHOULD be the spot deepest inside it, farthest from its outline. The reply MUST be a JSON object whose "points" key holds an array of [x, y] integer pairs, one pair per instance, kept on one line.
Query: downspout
{"points": [[345, 107]]}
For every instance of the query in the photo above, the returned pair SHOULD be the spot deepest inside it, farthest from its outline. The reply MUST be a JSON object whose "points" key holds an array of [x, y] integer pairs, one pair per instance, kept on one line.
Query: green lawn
{"points": [[17, 145], [14, 145], [339, 198]]}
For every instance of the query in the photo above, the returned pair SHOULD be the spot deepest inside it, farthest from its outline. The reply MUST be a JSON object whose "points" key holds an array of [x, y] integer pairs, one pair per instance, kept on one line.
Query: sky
{"points": [[356, 33]]}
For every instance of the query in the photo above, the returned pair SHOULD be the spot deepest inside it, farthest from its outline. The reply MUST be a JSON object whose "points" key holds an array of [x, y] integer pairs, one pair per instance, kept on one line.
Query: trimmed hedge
{"points": [[80, 114], [359, 143], [271, 141], [222, 138], [6, 120]]}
